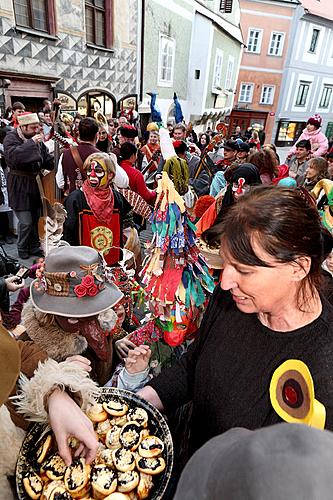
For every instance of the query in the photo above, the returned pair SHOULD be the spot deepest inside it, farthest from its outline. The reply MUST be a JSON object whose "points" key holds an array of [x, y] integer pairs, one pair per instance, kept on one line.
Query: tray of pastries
{"points": [[133, 462]]}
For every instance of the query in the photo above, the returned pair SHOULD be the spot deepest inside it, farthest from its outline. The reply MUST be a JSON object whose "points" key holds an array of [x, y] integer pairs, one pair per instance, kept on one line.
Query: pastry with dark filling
{"points": [[130, 436], [124, 460], [151, 447], [54, 467], [145, 485], [138, 415], [112, 438], [152, 466], [55, 490], [33, 485], [127, 481], [115, 408], [44, 449], [103, 481], [77, 477]]}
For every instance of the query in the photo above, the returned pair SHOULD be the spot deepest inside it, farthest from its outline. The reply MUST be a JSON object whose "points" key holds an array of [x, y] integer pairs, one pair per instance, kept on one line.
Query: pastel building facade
{"points": [[307, 83], [266, 27]]}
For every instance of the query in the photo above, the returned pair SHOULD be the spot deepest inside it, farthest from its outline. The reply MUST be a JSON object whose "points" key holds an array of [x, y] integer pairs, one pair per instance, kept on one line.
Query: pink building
{"points": [[266, 27]]}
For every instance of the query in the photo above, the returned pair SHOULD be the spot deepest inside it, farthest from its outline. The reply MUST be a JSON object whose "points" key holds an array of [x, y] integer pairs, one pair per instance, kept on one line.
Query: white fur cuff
{"points": [[66, 375]]}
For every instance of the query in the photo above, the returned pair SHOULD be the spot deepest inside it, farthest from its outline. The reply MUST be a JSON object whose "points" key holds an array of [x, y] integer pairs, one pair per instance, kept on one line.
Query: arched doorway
{"points": [[95, 100]]}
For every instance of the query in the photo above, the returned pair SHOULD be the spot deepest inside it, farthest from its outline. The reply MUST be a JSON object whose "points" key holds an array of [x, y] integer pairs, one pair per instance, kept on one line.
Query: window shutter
{"points": [[226, 6]]}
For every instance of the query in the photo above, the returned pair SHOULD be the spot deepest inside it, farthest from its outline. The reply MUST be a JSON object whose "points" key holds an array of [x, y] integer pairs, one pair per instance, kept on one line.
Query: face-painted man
{"points": [[98, 175]]}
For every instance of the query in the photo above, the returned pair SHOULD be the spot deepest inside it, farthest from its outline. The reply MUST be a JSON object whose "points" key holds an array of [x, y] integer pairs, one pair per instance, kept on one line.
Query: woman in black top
{"points": [[267, 309]]}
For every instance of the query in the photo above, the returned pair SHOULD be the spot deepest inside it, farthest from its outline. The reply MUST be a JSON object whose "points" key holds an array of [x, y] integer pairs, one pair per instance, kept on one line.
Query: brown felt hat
{"points": [[73, 284], [10, 364]]}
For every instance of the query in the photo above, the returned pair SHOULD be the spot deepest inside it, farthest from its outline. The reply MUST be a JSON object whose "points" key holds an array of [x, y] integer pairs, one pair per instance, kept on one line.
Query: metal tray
{"points": [[157, 424]]}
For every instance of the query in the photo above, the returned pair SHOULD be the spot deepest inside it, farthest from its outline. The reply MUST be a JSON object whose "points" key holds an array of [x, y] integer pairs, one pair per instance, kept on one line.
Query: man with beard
{"points": [[26, 156], [95, 214]]}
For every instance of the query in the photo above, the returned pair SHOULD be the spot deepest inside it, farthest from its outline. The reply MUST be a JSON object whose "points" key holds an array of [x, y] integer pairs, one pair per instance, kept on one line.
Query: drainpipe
{"points": [[142, 51]]}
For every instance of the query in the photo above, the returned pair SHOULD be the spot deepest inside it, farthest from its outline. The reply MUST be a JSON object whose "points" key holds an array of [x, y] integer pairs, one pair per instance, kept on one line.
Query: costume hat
{"points": [[27, 118], [10, 363], [73, 284]]}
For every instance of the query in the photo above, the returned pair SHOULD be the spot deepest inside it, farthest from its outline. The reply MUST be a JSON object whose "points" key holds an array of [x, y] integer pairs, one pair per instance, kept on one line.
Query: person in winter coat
{"points": [[26, 156], [312, 133], [42, 397], [69, 311]]}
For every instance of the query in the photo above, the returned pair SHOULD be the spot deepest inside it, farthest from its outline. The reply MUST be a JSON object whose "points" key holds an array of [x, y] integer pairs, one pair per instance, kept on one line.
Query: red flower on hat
{"points": [[80, 290], [92, 291], [87, 281]]}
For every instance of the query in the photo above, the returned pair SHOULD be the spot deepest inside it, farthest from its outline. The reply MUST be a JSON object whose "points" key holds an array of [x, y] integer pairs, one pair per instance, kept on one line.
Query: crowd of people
{"points": [[236, 280]]}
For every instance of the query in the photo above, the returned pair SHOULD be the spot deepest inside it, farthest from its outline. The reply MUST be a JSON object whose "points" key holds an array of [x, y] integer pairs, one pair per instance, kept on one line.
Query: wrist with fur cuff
{"points": [[32, 397]]}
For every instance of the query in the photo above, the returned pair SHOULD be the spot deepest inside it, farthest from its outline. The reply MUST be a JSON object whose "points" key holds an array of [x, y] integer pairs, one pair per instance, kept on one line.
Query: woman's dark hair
{"points": [[127, 149], [207, 137], [286, 224], [265, 161]]}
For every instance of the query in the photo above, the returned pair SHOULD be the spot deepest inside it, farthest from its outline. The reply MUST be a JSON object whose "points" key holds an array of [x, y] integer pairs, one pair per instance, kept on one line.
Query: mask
{"points": [[97, 174], [175, 332]]}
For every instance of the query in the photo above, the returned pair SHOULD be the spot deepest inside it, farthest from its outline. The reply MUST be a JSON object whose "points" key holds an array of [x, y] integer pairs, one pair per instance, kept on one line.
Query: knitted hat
{"points": [[152, 127], [315, 120], [27, 118]]}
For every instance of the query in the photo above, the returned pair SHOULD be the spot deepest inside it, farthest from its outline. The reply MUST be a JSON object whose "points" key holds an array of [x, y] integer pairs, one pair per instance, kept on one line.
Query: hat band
{"points": [[72, 284]]}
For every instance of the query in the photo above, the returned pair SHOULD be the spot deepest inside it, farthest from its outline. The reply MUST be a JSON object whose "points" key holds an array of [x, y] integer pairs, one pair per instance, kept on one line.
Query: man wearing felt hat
{"points": [[26, 156], [69, 312]]}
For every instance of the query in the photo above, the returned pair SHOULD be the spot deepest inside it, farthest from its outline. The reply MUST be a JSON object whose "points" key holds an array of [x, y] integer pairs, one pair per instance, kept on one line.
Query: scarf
{"points": [[100, 200]]}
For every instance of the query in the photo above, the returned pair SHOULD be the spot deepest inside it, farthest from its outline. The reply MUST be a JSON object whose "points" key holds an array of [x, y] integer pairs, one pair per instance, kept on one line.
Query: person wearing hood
{"points": [[313, 133]]}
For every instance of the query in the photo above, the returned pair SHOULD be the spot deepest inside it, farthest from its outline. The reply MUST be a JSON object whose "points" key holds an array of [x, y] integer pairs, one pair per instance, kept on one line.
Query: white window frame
{"points": [[258, 50], [162, 82], [218, 66], [328, 86], [229, 73], [272, 44], [267, 85], [247, 84], [316, 28], [303, 82]]}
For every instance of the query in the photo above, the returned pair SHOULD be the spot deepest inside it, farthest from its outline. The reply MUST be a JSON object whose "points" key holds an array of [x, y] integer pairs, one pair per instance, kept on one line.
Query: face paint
{"points": [[240, 188], [97, 174]]}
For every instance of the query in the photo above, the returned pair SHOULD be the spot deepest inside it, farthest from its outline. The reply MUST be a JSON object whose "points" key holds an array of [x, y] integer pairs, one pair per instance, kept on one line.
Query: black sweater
{"points": [[228, 369]]}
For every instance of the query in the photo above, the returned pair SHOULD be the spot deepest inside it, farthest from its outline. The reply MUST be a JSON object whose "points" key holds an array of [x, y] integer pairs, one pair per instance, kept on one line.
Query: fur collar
{"points": [[50, 337]]}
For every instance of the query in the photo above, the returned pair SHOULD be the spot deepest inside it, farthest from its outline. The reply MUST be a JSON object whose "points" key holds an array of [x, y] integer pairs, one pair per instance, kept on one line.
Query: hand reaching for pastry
{"points": [[66, 420], [137, 359]]}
